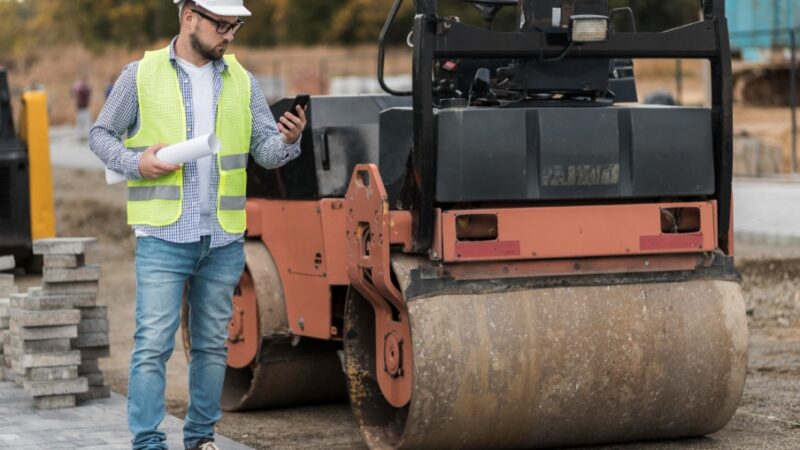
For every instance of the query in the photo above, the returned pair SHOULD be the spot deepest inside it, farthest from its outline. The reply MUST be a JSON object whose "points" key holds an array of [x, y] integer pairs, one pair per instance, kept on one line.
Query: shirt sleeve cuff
{"points": [[131, 166], [293, 149]]}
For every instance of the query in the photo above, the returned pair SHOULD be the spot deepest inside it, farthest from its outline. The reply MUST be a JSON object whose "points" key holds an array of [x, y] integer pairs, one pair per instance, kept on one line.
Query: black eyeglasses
{"points": [[222, 26]]}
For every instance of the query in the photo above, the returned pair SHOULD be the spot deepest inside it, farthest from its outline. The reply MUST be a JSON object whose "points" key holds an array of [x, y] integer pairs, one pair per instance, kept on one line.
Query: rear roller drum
{"points": [[267, 368], [555, 366], [308, 376]]}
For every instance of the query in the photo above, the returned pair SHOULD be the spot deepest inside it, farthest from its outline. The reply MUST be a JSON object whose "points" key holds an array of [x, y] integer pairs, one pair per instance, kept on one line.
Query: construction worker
{"points": [[82, 94], [189, 220]]}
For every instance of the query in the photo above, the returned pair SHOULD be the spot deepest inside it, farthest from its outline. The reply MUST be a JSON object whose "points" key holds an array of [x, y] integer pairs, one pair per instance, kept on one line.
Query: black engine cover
{"points": [[561, 153]]}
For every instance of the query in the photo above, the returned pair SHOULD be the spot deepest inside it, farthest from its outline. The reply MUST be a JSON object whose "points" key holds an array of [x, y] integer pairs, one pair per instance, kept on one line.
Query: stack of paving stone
{"points": [[42, 359], [67, 275], [6, 288]]}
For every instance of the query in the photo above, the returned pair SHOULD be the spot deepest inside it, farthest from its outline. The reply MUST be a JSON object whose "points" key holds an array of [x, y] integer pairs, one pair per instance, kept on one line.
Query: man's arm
{"points": [[118, 116], [266, 143]]}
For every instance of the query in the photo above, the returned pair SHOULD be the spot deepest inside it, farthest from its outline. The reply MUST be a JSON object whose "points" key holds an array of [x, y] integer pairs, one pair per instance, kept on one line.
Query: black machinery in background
{"points": [[15, 217]]}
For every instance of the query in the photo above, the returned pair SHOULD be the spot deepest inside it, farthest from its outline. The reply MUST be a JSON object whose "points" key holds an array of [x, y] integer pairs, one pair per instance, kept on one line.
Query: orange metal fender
{"points": [[253, 210], [243, 335]]}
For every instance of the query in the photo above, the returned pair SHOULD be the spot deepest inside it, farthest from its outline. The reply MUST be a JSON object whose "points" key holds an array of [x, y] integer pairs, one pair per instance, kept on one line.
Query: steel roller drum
{"points": [[557, 366], [286, 371]]}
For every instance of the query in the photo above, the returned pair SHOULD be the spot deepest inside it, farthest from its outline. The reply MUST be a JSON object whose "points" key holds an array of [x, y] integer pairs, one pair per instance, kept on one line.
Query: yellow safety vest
{"points": [[163, 121]]}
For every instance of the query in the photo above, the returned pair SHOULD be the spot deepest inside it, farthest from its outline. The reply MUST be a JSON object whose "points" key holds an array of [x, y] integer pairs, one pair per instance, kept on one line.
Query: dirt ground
{"points": [[768, 417]]}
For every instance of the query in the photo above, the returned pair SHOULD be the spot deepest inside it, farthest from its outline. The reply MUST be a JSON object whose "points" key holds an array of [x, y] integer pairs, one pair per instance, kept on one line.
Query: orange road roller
{"points": [[513, 254]]}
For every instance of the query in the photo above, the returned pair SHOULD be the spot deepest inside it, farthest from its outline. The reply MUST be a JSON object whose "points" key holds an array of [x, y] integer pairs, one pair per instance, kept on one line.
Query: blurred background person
{"points": [[82, 94]]}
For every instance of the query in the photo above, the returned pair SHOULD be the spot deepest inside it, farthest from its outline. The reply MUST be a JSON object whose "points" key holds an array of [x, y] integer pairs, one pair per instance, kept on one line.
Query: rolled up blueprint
{"points": [[179, 153]]}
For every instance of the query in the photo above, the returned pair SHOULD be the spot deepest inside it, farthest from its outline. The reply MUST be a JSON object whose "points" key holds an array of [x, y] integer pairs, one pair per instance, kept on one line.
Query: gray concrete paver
{"points": [[97, 424], [61, 446], [24, 445], [106, 447], [41, 425]]}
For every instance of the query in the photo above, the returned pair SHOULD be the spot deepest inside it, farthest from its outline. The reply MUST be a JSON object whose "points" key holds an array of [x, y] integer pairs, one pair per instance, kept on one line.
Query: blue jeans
{"points": [[162, 269]]}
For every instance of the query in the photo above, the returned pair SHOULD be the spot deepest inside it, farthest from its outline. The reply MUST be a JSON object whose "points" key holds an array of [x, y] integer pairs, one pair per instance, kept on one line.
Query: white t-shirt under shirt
{"points": [[202, 81]]}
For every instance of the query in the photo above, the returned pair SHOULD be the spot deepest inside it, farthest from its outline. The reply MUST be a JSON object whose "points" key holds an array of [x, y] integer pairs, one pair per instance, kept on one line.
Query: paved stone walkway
{"points": [[98, 424], [767, 211]]}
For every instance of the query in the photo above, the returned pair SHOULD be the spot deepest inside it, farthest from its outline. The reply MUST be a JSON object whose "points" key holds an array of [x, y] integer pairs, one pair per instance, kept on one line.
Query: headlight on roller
{"points": [[588, 28]]}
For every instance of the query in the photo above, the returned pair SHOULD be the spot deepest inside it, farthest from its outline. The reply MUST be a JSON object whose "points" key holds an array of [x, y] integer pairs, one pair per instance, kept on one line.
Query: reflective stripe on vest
{"points": [[233, 162], [162, 119], [142, 193], [229, 203]]}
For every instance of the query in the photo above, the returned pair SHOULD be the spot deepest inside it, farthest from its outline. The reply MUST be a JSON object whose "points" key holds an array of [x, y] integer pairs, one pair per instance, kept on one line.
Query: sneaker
{"points": [[204, 444]]}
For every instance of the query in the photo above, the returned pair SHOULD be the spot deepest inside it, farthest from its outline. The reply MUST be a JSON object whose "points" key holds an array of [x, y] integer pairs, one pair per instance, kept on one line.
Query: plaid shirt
{"points": [[120, 115]]}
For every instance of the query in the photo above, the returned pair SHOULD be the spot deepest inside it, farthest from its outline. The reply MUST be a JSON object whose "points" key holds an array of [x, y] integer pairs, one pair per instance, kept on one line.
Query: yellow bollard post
{"points": [[35, 131]]}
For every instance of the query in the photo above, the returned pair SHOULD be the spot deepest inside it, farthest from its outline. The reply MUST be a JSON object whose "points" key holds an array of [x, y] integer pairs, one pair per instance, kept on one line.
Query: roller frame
{"points": [[369, 237]]}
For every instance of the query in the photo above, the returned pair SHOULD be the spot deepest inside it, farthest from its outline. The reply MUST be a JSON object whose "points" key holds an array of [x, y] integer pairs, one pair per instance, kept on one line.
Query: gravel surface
{"points": [[768, 417]]}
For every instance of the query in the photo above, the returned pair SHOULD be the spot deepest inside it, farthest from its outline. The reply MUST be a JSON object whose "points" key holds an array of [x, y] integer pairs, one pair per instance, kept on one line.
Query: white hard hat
{"points": [[223, 7]]}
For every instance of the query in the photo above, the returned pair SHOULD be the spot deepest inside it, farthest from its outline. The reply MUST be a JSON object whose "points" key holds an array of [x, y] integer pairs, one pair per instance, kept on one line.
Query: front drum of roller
{"points": [[559, 366]]}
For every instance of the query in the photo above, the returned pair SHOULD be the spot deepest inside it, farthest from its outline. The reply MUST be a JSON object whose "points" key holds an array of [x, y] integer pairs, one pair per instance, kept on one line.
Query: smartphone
{"points": [[301, 101]]}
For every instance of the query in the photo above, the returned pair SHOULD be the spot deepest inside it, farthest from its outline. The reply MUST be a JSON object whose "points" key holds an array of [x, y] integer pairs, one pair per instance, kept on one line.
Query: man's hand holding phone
{"points": [[292, 123]]}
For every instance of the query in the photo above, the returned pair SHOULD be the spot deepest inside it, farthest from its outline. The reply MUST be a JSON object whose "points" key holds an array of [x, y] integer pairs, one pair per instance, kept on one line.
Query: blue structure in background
{"points": [[771, 18]]}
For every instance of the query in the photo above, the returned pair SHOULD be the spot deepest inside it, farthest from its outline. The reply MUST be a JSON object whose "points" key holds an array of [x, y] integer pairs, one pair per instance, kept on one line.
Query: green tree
{"points": [[31, 24], [122, 22], [261, 29], [306, 23], [361, 21]]}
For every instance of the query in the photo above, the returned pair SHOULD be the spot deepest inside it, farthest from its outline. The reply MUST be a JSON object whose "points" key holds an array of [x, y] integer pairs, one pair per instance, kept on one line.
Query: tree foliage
{"points": [[29, 24]]}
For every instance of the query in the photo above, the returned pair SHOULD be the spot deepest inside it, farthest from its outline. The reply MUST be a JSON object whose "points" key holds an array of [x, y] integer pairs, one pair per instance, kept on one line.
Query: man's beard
{"points": [[209, 53]]}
